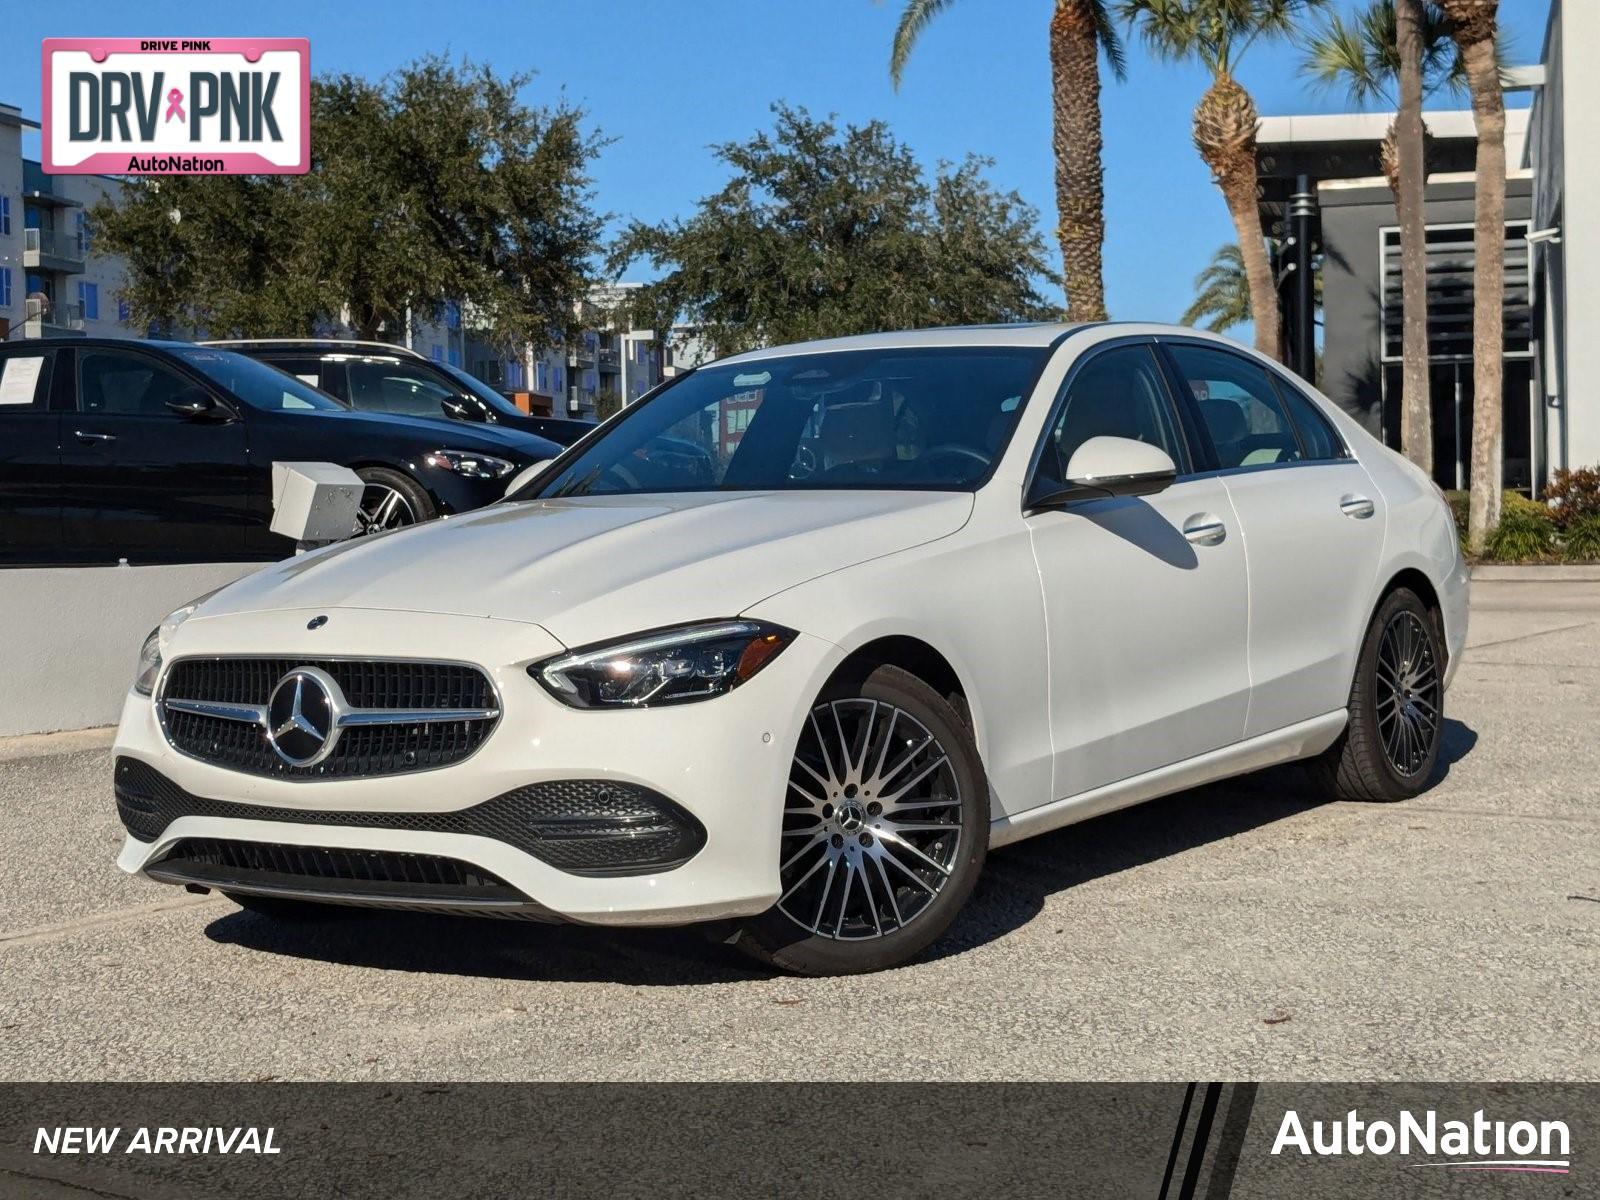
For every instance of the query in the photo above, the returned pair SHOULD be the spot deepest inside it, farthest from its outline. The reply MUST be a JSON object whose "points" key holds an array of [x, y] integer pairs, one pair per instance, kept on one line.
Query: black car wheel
{"points": [[391, 500], [1390, 743]]}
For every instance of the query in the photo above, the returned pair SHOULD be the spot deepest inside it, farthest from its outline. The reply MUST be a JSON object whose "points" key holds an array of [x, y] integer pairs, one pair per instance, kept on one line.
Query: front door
{"points": [[30, 460], [1144, 596], [142, 482]]}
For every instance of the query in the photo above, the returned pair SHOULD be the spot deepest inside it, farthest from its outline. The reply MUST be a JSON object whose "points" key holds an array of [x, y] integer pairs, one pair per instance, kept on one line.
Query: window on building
{"points": [[123, 311], [436, 353], [452, 315], [541, 376], [89, 298], [455, 356], [5, 287], [85, 234], [5, 216]]}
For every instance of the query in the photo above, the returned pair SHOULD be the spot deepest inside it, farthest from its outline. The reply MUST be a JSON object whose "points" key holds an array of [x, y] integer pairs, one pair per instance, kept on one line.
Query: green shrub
{"points": [[1526, 533], [1460, 502], [1583, 539], [1574, 495]]}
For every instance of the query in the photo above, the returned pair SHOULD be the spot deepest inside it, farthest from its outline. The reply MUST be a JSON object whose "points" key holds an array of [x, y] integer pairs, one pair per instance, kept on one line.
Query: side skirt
{"points": [[1301, 740]]}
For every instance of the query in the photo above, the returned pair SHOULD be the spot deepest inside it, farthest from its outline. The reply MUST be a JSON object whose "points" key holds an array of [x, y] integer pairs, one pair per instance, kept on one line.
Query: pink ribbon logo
{"points": [[175, 105]]}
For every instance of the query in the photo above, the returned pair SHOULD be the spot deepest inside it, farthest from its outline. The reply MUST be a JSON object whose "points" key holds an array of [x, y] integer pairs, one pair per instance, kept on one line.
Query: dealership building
{"points": [[1322, 187]]}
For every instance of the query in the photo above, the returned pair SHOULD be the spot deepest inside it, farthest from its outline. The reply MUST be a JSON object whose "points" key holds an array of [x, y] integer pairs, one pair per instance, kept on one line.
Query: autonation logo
{"points": [[1480, 1144]]}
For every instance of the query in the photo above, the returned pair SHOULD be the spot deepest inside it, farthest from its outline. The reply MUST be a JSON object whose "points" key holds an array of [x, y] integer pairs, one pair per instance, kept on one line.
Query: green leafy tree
{"points": [[433, 184], [1217, 34], [1079, 31], [822, 231], [1222, 293]]}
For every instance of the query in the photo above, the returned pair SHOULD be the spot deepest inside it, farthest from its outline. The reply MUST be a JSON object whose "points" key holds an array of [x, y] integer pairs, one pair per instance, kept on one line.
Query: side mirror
{"points": [[195, 403], [1111, 466], [463, 410], [527, 475]]}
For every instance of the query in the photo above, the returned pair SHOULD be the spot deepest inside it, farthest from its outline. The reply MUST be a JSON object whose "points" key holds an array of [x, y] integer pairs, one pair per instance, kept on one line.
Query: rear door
{"points": [[142, 482], [1312, 524], [30, 459]]}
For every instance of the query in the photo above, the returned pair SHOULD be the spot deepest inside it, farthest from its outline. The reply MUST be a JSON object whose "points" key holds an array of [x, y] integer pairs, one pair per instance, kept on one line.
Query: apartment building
{"points": [[52, 283]]}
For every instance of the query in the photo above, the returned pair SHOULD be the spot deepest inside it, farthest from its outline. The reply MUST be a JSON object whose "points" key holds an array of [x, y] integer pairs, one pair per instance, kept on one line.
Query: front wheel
{"points": [[1390, 743], [885, 830], [390, 500]]}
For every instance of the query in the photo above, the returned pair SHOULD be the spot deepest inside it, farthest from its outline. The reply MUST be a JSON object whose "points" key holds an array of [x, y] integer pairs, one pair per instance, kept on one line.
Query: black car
{"points": [[154, 452], [377, 377]]}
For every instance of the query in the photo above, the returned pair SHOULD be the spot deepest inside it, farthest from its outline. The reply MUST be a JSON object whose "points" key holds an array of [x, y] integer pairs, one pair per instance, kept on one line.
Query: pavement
{"points": [[1244, 930]]}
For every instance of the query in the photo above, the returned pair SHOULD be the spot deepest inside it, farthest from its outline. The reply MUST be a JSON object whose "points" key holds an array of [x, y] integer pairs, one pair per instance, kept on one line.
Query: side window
{"points": [[1316, 432], [1117, 393], [383, 385], [114, 383], [1240, 407], [24, 383]]}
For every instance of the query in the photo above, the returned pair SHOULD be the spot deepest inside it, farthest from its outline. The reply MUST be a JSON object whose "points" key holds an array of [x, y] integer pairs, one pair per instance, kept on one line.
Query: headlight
{"points": [[144, 679], [149, 669], [470, 463], [671, 666]]}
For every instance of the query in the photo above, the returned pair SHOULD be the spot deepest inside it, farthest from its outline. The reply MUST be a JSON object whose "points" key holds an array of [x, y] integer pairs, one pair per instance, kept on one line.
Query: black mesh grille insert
{"points": [[584, 826], [334, 870], [362, 750]]}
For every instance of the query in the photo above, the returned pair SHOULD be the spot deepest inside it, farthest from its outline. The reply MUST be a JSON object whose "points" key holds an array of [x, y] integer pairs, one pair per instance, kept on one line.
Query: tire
{"points": [[391, 500], [909, 864], [283, 908], [1390, 744]]}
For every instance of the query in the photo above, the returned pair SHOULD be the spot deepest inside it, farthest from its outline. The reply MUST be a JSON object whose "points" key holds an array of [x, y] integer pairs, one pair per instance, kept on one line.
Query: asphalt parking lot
{"points": [[1246, 929]]}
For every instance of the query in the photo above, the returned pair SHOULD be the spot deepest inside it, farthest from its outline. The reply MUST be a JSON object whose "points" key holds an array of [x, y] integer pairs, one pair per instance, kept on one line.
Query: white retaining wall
{"points": [[72, 637]]}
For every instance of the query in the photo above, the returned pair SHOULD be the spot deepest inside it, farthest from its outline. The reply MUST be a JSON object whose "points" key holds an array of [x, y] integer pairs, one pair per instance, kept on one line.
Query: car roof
{"points": [[325, 345], [1035, 333]]}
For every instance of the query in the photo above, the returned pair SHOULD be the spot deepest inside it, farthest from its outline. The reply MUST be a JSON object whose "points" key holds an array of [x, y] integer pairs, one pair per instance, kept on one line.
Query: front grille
{"points": [[366, 750], [582, 826]]}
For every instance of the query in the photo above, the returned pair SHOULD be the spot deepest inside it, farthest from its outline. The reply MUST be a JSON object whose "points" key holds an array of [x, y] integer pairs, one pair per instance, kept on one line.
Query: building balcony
{"points": [[52, 250], [42, 319]]}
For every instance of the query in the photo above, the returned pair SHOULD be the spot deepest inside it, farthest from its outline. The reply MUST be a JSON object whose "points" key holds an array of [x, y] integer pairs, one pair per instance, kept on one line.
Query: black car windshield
{"points": [[929, 419], [481, 390], [257, 384]]}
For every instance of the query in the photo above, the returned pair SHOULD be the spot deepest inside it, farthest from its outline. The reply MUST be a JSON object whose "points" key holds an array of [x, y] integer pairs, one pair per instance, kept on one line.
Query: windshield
{"points": [[904, 418], [481, 390], [257, 384]]}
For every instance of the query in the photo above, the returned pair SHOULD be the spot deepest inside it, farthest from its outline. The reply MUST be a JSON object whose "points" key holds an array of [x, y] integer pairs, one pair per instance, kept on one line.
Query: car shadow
{"points": [[1013, 891]]}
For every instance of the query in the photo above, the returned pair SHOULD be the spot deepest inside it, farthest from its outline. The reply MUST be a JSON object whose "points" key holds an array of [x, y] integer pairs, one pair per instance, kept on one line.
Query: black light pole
{"points": [[1303, 331]]}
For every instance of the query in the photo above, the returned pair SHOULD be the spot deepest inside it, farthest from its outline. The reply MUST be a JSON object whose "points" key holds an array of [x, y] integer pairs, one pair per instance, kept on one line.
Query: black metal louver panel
{"points": [[1450, 263]]}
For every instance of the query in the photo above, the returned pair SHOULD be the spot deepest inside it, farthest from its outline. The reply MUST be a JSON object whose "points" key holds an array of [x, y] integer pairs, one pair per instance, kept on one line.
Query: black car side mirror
{"points": [[463, 410], [195, 403]]}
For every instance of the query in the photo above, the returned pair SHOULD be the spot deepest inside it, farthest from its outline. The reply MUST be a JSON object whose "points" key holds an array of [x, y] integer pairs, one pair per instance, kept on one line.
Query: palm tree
{"points": [[1079, 30], [1394, 52], [1217, 33], [1222, 293], [1474, 24]]}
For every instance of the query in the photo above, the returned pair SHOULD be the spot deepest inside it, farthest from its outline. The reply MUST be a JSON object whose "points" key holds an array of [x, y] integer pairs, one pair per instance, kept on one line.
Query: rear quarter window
{"points": [[1317, 434]]}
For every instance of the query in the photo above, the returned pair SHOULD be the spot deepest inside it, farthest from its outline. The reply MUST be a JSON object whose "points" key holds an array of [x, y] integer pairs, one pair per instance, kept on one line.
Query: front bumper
{"points": [[724, 762]]}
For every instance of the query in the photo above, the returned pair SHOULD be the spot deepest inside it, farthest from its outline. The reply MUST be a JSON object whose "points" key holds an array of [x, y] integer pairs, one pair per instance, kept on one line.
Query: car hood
{"points": [[597, 567], [443, 433]]}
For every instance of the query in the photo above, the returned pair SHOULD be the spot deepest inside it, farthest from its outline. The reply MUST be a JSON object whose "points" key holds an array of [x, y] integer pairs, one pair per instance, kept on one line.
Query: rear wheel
{"points": [[391, 500], [885, 830], [1390, 744]]}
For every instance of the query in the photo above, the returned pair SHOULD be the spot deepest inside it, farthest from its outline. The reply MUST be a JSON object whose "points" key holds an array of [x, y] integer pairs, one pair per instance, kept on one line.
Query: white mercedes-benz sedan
{"points": [[793, 642]]}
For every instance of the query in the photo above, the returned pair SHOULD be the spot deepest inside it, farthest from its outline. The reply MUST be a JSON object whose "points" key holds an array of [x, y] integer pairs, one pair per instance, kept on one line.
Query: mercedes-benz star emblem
{"points": [[303, 716]]}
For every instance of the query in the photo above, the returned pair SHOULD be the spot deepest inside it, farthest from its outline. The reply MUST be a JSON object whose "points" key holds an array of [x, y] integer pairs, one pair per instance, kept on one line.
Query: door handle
{"points": [[1358, 507], [85, 436], [1204, 529]]}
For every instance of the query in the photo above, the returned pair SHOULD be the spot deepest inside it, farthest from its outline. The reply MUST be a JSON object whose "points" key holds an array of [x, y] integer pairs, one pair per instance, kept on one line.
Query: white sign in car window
{"points": [[20, 377]]}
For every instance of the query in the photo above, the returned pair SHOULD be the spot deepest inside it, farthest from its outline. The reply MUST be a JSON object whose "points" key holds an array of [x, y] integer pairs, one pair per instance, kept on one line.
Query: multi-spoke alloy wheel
{"points": [[1408, 693], [1395, 716], [872, 824], [885, 829], [383, 507]]}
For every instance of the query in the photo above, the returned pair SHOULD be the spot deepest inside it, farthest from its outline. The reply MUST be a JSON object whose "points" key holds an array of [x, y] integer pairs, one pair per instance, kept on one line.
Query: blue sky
{"points": [[667, 78]]}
